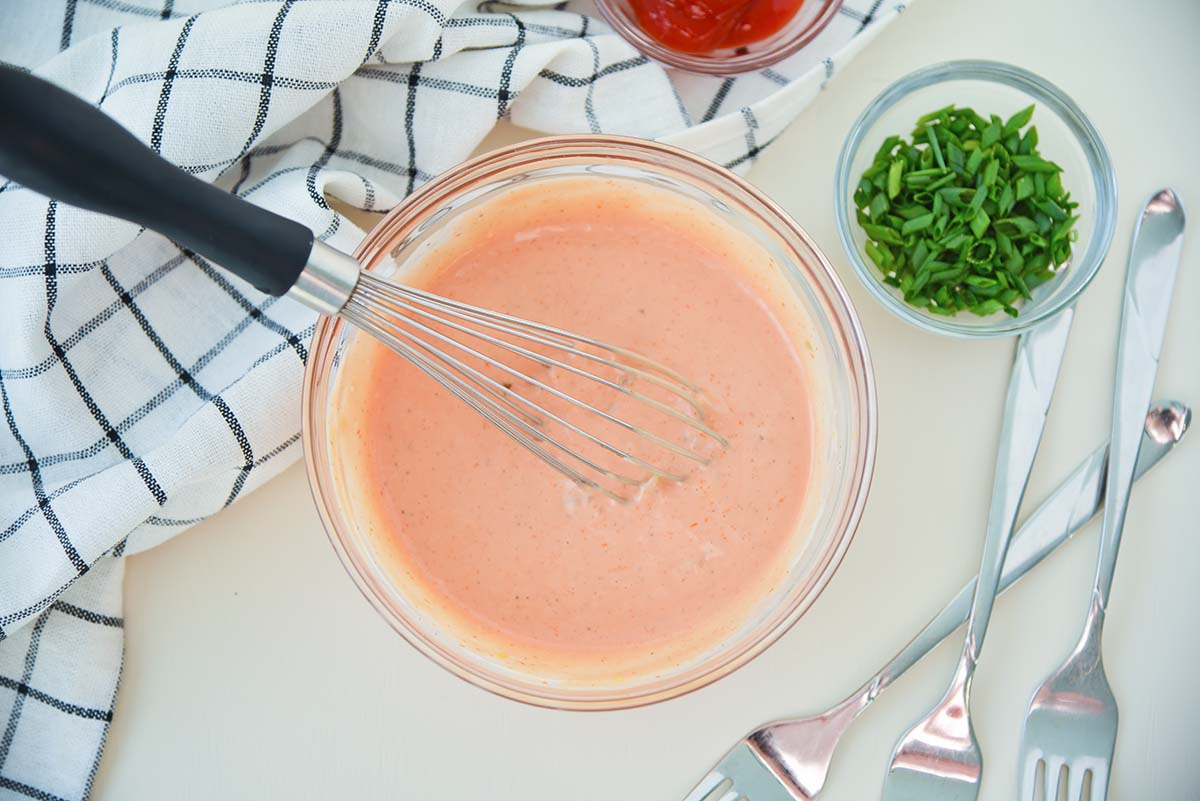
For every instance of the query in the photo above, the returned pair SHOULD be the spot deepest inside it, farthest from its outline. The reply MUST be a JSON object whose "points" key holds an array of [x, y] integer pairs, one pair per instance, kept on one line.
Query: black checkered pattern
{"points": [[142, 388]]}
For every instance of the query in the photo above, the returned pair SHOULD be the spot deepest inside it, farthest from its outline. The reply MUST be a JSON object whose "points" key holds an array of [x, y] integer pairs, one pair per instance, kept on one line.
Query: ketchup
{"points": [[699, 26]]}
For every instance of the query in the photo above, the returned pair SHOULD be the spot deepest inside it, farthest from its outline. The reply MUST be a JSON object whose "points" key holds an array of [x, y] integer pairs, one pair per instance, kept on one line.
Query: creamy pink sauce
{"points": [[518, 562]]}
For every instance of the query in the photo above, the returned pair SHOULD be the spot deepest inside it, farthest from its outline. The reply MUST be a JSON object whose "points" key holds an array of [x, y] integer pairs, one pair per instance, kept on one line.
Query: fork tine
{"points": [[1100, 784], [1075, 779], [1029, 771], [730, 794], [1056, 770], [706, 789], [725, 792]]}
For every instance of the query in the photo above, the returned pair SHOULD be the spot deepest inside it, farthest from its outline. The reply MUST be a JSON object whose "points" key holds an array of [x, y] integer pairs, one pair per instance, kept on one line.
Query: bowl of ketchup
{"points": [[718, 37]]}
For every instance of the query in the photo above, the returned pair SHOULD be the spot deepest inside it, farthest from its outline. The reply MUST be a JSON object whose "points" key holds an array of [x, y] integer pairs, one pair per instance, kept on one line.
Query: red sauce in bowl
{"points": [[700, 26]]}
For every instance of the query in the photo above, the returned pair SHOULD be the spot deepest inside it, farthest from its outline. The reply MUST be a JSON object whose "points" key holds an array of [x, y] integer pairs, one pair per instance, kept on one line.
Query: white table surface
{"points": [[254, 669]]}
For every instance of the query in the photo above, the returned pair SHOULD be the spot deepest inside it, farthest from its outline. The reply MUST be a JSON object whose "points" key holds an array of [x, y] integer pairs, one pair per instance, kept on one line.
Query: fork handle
{"points": [[1153, 264], [65, 148], [1030, 389], [1072, 505]]}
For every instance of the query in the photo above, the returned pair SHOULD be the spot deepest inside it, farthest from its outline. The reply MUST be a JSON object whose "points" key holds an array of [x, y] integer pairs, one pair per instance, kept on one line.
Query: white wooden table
{"points": [[245, 680]]}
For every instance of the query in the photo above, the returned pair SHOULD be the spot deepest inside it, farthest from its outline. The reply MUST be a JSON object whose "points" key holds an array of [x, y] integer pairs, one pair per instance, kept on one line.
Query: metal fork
{"points": [[789, 760], [939, 758], [1072, 720]]}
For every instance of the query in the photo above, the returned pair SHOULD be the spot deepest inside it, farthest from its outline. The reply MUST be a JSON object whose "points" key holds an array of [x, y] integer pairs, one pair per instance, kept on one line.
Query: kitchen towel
{"points": [[142, 388]]}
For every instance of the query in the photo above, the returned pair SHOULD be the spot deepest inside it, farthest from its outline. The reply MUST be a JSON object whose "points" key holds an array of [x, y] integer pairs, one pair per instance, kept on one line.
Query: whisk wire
{"points": [[506, 421], [554, 391], [422, 327], [490, 386], [409, 299], [402, 305]]}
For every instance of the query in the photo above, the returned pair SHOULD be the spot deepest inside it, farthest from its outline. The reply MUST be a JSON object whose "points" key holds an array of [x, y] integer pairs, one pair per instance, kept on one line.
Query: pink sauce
{"points": [[518, 562]]}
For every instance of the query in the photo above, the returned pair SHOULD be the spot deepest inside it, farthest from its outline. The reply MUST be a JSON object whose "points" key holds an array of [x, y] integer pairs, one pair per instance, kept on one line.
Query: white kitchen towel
{"points": [[142, 388]]}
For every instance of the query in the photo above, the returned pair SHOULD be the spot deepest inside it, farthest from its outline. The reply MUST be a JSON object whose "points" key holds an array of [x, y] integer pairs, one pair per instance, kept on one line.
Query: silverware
{"points": [[1071, 725], [939, 758], [793, 756], [58, 145]]}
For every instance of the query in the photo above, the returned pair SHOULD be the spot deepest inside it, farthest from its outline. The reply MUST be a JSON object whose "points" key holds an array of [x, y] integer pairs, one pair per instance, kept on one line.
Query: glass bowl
{"points": [[810, 20], [844, 408], [1065, 135]]}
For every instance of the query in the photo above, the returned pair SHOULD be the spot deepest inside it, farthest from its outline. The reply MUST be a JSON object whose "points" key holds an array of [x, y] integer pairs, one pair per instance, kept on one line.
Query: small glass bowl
{"points": [[810, 20], [1065, 136], [843, 408]]}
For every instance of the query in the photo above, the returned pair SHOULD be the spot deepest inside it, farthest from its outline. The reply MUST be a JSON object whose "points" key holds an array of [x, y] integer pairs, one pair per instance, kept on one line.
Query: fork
{"points": [[1072, 720], [939, 759], [796, 754]]}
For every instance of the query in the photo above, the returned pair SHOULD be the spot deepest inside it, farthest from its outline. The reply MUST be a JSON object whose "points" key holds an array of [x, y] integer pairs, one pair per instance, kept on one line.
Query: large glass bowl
{"points": [[842, 384], [1065, 136]]}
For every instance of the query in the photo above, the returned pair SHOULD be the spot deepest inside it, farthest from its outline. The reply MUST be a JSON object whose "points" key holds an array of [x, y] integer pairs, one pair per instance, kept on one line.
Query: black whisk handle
{"points": [[65, 148]]}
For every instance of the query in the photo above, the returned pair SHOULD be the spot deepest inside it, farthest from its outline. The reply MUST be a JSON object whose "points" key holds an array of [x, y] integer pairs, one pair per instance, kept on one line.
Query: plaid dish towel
{"points": [[142, 388]]}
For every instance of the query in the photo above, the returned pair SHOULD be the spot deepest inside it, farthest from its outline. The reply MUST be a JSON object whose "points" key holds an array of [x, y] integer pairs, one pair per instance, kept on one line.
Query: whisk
{"points": [[603, 416]]}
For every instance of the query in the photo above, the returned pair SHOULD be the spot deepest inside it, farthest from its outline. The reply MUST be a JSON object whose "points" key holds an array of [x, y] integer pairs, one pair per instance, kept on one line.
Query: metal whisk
{"points": [[605, 417], [483, 358], [455, 344]]}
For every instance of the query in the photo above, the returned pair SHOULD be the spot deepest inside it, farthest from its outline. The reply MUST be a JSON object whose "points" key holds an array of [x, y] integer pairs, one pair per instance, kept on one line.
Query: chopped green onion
{"points": [[1018, 121], [954, 155], [991, 135], [882, 233], [933, 145], [980, 223], [1029, 141], [967, 215], [974, 160], [893, 180], [885, 149], [1024, 187], [879, 206], [913, 211], [1032, 163], [916, 224], [990, 172], [879, 254]]}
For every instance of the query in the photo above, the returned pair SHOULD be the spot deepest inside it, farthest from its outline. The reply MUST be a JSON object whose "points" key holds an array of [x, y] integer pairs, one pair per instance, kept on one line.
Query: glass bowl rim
{"points": [[844, 323], [701, 64], [1044, 92]]}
